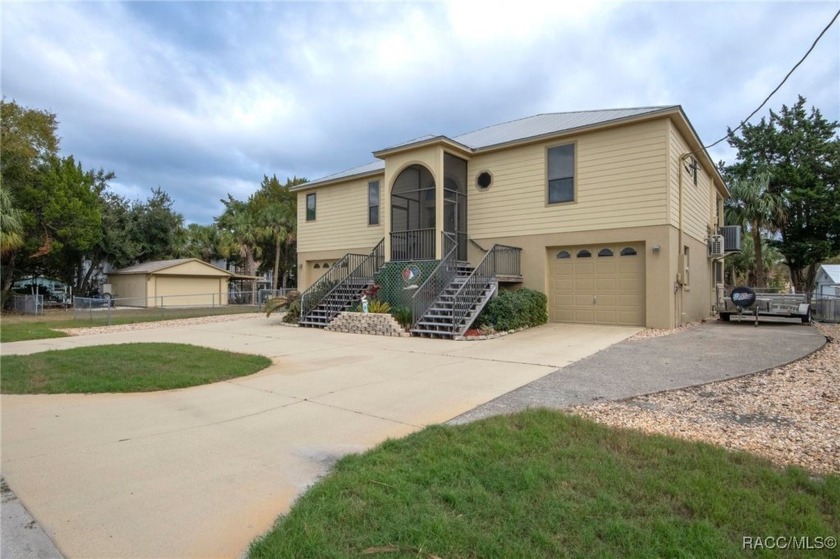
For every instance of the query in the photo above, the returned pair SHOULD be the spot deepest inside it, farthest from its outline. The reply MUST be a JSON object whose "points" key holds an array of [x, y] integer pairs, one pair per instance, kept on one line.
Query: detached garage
{"points": [[170, 283]]}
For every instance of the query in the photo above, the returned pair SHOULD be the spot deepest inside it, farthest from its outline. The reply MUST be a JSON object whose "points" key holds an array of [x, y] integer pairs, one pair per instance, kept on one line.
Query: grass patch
{"points": [[21, 331], [17, 328], [123, 368], [545, 484]]}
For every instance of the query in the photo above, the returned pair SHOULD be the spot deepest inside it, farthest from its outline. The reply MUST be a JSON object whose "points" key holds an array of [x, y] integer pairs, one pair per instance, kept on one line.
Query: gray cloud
{"points": [[203, 99]]}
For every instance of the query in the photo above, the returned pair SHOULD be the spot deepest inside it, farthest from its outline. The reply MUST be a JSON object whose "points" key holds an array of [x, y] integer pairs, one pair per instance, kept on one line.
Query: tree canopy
{"points": [[801, 151], [60, 220]]}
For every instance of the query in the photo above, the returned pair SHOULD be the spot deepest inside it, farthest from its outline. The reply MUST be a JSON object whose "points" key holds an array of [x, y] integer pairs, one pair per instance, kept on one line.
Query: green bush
{"points": [[378, 307], [281, 302], [402, 315], [292, 315], [510, 310]]}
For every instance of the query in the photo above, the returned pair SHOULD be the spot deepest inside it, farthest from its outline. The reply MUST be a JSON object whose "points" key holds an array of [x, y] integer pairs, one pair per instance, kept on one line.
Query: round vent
{"points": [[483, 180]]}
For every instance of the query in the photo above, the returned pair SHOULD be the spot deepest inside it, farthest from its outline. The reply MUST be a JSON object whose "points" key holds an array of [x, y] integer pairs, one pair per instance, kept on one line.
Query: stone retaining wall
{"points": [[378, 324]]}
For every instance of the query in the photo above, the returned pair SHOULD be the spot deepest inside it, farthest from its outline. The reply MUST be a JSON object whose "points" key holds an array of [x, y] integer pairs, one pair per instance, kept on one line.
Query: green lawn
{"points": [[545, 484], [16, 328], [123, 368]]}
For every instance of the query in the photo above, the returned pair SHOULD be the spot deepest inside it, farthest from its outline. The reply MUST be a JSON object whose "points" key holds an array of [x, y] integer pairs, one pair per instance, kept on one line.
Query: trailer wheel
{"points": [[724, 316], [807, 318]]}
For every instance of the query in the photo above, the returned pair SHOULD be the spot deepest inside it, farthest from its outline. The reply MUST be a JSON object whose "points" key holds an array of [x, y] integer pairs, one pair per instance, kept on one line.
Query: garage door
{"points": [[598, 284], [317, 268]]}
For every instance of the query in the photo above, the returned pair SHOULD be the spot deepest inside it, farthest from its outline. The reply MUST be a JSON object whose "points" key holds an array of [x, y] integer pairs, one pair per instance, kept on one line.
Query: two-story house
{"points": [[613, 214]]}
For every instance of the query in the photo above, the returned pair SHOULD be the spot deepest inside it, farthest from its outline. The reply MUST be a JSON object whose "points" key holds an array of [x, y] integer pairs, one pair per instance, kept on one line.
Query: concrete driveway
{"points": [[200, 472]]}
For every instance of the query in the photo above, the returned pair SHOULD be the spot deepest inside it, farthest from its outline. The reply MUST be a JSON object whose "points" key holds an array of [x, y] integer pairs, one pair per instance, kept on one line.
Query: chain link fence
{"points": [[825, 308], [107, 310], [27, 304], [264, 295], [399, 281]]}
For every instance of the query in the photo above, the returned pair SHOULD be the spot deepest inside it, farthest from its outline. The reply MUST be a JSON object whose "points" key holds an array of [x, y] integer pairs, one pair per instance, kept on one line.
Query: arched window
{"points": [[628, 251], [605, 252], [584, 254], [326, 265], [317, 266], [413, 208], [563, 254], [413, 200]]}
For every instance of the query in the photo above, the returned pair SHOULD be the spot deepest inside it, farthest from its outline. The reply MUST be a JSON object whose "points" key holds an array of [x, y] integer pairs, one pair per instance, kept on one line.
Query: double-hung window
{"points": [[310, 207], [373, 203], [561, 174]]}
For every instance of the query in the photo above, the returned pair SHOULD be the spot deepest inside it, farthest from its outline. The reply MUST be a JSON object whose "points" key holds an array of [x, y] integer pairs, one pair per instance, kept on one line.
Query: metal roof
{"points": [[158, 265], [832, 271], [362, 170], [514, 131], [547, 124]]}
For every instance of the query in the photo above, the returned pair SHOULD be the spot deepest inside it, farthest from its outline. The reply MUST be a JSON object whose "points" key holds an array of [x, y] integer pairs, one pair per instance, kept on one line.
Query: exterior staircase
{"points": [[341, 287], [340, 298], [457, 305]]}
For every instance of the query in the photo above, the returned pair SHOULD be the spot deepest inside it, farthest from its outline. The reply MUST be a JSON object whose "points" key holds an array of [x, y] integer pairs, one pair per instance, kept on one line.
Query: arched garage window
{"points": [[584, 254], [563, 254], [628, 251], [605, 252]]}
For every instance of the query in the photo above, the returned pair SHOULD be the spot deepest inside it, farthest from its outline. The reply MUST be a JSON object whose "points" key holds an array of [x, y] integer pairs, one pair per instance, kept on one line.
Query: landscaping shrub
{"points": [[378, 307], [281, 302], [292, 315], [402, 315], [375, 306], [510, 310]]}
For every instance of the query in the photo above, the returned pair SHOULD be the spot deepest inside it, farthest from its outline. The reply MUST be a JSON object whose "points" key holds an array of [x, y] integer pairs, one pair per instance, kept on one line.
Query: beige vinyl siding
{"points": [[698, 200], [618, 183], [341, 218]]}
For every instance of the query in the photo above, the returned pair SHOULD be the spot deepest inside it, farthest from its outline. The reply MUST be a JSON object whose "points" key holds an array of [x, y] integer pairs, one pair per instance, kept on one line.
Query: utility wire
{"points": [[830, 23]]}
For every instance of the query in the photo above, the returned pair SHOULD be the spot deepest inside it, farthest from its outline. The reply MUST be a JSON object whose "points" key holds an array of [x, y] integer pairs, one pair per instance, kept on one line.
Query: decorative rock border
{"points": [[488, 336], [378, 324]]}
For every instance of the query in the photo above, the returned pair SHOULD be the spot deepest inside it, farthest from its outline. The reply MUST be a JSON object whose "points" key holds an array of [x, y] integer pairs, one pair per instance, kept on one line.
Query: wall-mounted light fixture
{"points": [[655, 249]]}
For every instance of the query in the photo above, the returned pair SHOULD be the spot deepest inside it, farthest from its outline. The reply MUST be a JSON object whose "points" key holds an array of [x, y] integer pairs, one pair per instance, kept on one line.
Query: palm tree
{"points": [[742, 266], [11, 224], [239, 222], [755, 209]]}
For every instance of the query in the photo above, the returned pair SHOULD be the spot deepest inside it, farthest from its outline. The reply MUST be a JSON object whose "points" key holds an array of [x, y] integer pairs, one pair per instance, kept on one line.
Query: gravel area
{"points": [[789, 415], [659, 332], [158, 324]]}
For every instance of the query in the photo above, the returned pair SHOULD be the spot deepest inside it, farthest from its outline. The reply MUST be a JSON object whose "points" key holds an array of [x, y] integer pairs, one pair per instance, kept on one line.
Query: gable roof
{"points": [[526, 129], [159, 265], [832, 271]]}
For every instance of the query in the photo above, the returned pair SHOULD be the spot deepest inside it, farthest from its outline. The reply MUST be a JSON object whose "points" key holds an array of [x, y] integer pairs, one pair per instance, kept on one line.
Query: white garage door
{"points": [[598, 284]]}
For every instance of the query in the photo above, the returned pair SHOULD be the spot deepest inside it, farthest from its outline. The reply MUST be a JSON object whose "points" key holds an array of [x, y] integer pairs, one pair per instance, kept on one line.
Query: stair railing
{"points": [[350, 266], [500, 260], [438, 280]]}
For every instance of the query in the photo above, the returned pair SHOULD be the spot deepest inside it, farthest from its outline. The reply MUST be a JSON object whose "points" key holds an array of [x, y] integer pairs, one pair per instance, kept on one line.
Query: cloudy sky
{"points": [[202, 99]]}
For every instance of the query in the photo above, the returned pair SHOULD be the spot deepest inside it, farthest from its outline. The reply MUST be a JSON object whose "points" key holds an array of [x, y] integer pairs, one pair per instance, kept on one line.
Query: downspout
{"points": [[680, 282]]}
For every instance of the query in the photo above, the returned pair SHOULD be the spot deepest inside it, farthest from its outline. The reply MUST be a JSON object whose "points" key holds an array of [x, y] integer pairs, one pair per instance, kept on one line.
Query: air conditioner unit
{"points": [[716, 246], [731, 238]]}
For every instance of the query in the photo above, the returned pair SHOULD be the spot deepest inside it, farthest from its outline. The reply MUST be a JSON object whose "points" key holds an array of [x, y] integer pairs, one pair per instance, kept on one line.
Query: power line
{"points": [[817, 40]]}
